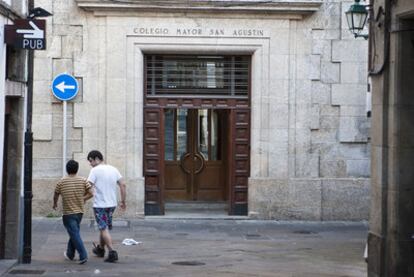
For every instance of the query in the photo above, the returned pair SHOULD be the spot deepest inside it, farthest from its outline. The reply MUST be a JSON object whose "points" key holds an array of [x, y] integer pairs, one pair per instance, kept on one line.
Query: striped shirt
{"points": [[73, 189]]}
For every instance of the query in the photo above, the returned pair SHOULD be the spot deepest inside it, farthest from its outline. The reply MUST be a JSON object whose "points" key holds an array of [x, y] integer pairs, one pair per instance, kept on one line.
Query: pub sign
{"points": [[26, 34]]}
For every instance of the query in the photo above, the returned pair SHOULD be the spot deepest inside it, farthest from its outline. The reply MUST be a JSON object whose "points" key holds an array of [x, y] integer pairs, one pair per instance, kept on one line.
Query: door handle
{"points": [[197, 155], [182, 159]]}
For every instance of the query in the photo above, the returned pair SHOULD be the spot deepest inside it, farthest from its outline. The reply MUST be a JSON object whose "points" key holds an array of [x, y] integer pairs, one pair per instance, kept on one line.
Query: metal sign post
{"points": [[64, 140], [28, 34], [64, 87]]}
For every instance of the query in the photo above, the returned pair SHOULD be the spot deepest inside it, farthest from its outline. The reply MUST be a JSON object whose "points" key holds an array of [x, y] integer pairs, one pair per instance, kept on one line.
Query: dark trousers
{"points": [[72, 225]]}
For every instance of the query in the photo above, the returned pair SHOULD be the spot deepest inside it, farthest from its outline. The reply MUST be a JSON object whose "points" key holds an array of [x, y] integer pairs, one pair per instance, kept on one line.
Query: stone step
{"points": [[195, 206]]}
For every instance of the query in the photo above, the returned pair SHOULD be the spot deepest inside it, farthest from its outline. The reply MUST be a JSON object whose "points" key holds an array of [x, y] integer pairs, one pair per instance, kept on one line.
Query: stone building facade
{"points": [[390, 238], [13, 97], [308, 146]]}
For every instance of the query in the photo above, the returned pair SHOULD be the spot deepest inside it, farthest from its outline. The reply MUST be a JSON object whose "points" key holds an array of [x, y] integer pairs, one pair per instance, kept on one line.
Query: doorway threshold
{"points": [[197, 210], [195, 216]]}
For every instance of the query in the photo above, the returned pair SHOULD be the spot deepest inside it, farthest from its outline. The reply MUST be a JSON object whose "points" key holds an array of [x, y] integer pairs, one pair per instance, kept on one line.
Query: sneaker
{"points": [[98, 250], [83, 261], [112, 257], [67, 257]]}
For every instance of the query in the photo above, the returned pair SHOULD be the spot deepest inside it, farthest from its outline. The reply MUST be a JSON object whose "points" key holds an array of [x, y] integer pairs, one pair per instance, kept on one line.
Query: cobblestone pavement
{"points": [[176, 247]]}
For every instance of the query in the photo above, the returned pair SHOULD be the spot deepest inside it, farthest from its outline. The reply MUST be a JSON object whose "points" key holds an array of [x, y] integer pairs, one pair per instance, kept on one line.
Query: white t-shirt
{"points": [[105, 178]]}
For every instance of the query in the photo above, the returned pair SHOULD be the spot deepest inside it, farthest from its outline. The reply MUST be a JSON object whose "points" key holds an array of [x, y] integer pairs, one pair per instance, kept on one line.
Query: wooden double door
{"points": [[195, 151]]}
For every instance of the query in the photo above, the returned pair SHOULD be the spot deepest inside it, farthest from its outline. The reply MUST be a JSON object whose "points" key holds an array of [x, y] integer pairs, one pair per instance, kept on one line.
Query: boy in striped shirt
{"points": [[75, 191]]}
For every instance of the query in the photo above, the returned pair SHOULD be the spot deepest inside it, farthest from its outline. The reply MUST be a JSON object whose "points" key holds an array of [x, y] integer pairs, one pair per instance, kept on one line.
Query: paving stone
{"points": [[178, 247]]}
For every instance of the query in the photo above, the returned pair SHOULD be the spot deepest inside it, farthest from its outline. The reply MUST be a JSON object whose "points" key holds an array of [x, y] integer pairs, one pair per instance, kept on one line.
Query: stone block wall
{"points": [[328, 134], [310, 134], [320, 199], [65, 42], [331, 125]]}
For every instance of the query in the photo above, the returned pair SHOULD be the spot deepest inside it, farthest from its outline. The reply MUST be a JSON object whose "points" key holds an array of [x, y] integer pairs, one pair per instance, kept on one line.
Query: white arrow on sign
{"points": [[32, 33], [61, 86]]}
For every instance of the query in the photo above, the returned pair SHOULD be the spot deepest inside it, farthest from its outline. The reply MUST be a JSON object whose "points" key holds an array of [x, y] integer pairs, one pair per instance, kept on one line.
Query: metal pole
{"points": [[64, 138], [28, 159]]}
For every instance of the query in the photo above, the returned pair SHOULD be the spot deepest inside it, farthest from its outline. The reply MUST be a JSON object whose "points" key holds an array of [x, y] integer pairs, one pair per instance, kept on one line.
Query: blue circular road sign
{"points": [[65, 87]]}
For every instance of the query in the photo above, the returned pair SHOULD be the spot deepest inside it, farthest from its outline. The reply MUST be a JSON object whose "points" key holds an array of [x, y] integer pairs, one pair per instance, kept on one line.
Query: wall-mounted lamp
{"points": [[356, 17]]}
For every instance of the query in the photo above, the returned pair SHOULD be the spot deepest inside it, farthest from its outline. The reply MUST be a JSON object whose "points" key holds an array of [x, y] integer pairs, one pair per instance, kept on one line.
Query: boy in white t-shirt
{"points": [[105, 179]]}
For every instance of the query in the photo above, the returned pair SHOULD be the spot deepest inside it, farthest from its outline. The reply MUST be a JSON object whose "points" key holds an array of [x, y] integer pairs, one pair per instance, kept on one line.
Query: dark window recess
{"points": [[168, 75], [16, 64]]}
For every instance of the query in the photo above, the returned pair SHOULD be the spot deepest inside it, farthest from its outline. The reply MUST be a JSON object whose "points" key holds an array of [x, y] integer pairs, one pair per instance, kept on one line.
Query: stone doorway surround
{"points": [[131, 78], [138, 46]]}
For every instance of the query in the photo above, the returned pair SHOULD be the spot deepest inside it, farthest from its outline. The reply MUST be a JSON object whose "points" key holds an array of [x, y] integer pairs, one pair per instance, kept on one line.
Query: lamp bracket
{"points": [[365, 36], [380, 12], [38, 12]]}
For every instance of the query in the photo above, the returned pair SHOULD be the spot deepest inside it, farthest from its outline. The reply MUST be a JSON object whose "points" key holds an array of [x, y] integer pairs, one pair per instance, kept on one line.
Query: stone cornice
{"points": [[293, 7]]}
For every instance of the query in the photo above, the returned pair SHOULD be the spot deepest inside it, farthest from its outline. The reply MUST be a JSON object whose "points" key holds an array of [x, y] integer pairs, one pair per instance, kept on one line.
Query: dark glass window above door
{"points": [[197, 76]]}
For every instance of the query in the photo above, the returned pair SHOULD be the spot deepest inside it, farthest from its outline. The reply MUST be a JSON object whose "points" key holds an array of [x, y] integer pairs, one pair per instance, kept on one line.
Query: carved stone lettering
{"points": [[216, 32], [161, 31], [151, 31], [248, 33], [189, 32]]}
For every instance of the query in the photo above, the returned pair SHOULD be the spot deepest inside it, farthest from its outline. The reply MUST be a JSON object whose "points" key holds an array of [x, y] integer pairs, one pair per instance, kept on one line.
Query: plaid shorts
{"points": [[103, 217]]}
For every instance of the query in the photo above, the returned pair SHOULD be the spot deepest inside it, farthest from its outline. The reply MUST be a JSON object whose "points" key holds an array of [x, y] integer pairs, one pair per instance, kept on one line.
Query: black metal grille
{"points": [[198, 76]]}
